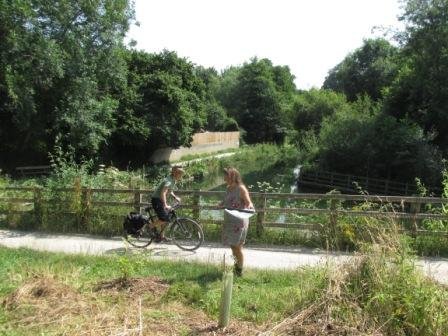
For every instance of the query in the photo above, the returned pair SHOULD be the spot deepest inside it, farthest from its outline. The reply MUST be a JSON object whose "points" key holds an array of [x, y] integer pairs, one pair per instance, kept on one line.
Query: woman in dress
{"points": [[234, 229]]}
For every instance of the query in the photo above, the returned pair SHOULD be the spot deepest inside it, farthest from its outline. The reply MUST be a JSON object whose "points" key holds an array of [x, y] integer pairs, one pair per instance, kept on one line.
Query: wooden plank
{"points": [[112, 203], [19, 188], [33, 167], [16, 212], [119, 191], [392, 214], [432, 233], [300, 226], [310, 196], [34, 170], [298, 210], [16, 200]]}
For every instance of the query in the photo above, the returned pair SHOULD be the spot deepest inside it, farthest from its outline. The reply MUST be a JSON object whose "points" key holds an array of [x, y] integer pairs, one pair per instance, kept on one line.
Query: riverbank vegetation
{"points": [[74, 200]]}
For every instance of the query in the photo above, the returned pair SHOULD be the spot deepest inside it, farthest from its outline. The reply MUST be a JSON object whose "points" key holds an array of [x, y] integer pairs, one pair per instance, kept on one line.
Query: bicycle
{"points": [[184, 232]]}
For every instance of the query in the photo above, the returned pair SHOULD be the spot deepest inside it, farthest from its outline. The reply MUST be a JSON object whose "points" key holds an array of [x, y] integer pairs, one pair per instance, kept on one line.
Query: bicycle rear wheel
{"points": [[141, 239], [186, 234]]}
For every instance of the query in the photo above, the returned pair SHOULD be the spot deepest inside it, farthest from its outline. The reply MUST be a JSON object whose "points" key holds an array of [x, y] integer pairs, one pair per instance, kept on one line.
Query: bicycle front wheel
{"points": [[141, 239], [186, 234]]}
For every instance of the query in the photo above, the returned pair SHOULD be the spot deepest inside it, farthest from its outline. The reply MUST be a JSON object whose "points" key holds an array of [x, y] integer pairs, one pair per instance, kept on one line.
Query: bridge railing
{"points": [[351, 183], [94, 210]]}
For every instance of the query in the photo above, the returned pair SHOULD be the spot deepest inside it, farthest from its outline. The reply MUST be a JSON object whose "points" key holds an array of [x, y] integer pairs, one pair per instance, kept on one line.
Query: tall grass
{"points": [[379, 292]]}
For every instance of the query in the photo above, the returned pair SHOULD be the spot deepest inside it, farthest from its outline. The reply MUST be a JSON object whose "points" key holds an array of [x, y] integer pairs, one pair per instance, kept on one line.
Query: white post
{"points": [[226, 295], [226, 298]]}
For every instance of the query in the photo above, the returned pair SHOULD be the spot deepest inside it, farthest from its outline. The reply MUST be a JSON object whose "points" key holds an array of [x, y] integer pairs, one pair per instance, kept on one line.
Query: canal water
{"points": [[271, 181]]}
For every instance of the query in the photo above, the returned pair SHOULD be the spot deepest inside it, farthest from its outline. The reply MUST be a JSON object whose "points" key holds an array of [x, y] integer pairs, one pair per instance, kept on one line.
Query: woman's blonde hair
{"points": [[234, 175]]}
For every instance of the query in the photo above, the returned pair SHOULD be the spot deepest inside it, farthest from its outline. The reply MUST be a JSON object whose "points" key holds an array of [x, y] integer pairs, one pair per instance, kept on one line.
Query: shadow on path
{"points": [[152, 251]]}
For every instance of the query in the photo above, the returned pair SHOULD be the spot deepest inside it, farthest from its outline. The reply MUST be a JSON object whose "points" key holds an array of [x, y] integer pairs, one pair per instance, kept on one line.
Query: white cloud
{"points": [[310, 36]]}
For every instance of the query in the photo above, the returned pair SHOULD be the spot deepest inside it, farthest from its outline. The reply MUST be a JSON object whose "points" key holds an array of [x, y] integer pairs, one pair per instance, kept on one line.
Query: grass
{"points": [[380, 292], [34, 284]]}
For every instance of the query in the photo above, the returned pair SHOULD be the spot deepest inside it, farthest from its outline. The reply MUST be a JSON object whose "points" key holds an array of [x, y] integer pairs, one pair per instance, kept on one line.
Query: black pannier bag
{"points": [[133, 222]]}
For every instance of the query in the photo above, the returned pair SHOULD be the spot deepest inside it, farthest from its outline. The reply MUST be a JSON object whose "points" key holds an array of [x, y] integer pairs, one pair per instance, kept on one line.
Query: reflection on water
{"points": [[212, 214], [296, 173], [251, 179]]}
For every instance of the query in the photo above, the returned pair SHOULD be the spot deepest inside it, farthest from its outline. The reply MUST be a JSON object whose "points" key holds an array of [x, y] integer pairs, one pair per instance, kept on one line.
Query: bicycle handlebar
{"points": [[175, 205]]}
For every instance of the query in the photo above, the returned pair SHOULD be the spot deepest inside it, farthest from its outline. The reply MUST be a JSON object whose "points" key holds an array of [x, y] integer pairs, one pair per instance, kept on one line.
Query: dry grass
{"points": [[133, 286], [318, 319], [131, 306], [343, 309]]}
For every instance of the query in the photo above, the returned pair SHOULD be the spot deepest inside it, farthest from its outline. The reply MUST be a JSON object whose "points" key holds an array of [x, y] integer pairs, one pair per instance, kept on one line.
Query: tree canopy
{"points": [[55, 78], [68, 79], [368, 70], [259, 96], [420, 91]]}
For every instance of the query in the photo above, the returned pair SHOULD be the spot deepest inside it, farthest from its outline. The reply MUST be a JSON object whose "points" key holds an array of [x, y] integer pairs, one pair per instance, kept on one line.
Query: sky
{"points": [[309, 36]]}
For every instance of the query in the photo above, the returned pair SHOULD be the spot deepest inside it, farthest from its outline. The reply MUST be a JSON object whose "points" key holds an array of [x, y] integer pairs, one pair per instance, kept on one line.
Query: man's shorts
{"points": [[160, 210]]}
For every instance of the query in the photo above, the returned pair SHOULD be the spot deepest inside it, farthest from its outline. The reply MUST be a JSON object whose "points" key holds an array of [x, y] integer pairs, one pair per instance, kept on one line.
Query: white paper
{"points": [[240, 214]]}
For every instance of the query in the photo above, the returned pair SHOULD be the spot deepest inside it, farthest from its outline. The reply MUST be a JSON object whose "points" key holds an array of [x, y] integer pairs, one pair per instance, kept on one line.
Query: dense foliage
{"points": [[67, 80], [55, 78], [407, 136], [163, 105], [366, 71]]}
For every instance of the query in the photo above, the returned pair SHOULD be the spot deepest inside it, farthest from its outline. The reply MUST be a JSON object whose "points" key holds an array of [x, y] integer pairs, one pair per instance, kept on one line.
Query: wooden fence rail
{"points": [[350, 183], [311, 212]]}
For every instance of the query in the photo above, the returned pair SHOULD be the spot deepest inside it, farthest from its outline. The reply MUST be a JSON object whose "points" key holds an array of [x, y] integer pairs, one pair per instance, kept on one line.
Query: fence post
{"points": [[85, 206], [415, 210], [38, 208], [196, 206], [137, 200], [261, 214], [334, 220]]}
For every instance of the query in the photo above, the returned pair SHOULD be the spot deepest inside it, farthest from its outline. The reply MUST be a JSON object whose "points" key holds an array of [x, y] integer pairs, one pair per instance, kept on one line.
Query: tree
{"points": [[364, 141], [420, 91], [55, 78], [227, 90], [311, 107], [163, 106], [260, 100], [368, 70], [217, 116]]}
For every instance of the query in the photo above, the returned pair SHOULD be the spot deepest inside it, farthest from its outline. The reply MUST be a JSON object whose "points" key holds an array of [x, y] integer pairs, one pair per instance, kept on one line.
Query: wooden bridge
{"points": [[356, 184]]}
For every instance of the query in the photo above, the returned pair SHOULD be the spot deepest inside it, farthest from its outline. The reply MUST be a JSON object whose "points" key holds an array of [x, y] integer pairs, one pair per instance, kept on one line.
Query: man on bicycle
{"points": [[159, 200]]}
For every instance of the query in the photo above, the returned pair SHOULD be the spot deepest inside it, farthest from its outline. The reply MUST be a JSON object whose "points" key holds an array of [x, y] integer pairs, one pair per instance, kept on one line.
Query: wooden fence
{"points": [[350, 183], [310, 212]]}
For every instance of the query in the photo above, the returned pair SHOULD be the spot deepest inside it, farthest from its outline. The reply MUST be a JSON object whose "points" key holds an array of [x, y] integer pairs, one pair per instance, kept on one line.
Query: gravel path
{"points": [[255, 256]]}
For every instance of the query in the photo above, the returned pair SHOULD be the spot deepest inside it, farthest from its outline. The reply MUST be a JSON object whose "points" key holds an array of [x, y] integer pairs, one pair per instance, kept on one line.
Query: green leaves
{"points": [[261, 99], [55, 74], [365, 71], [421, 91]]}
